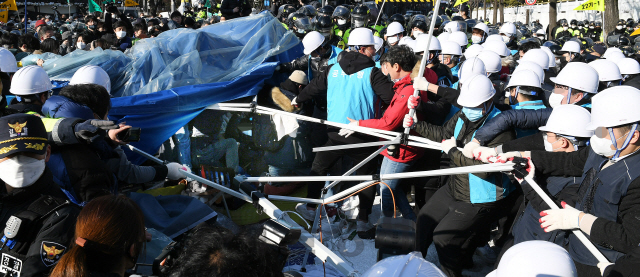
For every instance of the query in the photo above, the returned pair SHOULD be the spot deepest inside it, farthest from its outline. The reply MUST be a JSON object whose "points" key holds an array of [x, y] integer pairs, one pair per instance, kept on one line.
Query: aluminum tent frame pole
{"points": [[321, 251], [380, 12], [581, 236]]}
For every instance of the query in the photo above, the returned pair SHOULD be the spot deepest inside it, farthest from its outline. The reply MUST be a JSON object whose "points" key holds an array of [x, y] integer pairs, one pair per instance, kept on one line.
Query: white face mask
{"points": [[591, 27], [476, 39], [565, 28], [392, 40], [121, 34], [548, 146], [81, 45], [619, 27], [417, 33], [342, 21], [506, 39], [21, 171], [149, 28], [602, 146], [573, 26], [555, 100]]}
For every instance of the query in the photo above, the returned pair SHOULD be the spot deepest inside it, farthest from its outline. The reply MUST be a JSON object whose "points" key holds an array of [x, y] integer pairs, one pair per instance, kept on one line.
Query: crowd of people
{"points": [[563, 99]]}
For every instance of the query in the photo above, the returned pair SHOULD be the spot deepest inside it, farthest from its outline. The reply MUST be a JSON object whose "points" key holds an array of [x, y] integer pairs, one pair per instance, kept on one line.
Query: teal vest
{"points": [[485, 190], [349, 95]]}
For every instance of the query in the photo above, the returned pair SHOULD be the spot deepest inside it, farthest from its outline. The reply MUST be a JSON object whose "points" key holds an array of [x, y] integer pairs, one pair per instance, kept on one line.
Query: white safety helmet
{"points": [[538, 56], [471, 67], [483, 27], [571, 47], [460, 38], [614, 55], [607, 70], [451, 48], [579, 76], [30, 80], [361, 37], [508, 29], [312, 41], [421, 44], [379, 43], [494, 37], [394, 28], [473, 51], [611, 50], [536, 68], [410, 42], [628, 66], [524, 78], [452, 26], [492, 61], [552, 57], [8, 62], [409, 265], [569, 120], [497, 46], [614, 107], [92, 74], [541, 32], [444, 36], [477, 90], [535, 258]]}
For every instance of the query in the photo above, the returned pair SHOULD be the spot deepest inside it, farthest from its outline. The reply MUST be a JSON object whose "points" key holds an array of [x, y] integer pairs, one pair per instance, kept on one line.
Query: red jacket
{"points": [[394, 115]]}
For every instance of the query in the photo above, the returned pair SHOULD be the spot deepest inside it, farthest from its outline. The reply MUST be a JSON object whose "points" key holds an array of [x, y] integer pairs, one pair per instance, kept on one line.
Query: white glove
{"points": [[484, 153], [421, 83], [294, 103], [413, 102], [468, 149], [409, 122], [561, 219], [505, 157], [174, 172], [346, 132], [603, 267], [448, 144]]}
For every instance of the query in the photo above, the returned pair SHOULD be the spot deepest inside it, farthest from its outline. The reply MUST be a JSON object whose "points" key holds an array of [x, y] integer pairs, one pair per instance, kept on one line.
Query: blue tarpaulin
{"points": [[162, 83]]}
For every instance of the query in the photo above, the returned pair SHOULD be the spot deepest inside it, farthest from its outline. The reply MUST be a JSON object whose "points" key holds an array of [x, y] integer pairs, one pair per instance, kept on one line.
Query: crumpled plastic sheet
{"points": [[184, 57], [33, 58]]}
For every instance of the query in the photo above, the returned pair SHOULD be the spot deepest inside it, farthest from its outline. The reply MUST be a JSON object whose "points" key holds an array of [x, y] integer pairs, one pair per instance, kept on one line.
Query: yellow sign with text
{"points": [[9, 5], [130, 3], [593, 5], [4, 16]]}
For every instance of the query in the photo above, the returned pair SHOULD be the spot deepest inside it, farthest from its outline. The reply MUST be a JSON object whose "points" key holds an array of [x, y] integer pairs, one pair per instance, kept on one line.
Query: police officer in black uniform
{"points": [[37, 219]]}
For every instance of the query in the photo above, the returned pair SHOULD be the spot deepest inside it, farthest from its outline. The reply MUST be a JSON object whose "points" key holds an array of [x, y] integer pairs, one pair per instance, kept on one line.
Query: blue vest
{"points": [[599, 195], [528, 105], [485, 190], [454, 70], [349, 95], [528, 225]]}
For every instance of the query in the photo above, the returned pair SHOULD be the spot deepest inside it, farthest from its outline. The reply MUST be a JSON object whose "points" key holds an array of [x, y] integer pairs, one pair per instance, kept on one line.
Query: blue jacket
{"points": [[523, 119]]}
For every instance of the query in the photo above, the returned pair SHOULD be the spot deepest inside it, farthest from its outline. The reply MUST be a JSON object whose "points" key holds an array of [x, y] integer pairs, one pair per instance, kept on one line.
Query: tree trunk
{"points": [[611, 17], [495, 12], [553, 17], [527, 17], [484, 5], [501, 11]]}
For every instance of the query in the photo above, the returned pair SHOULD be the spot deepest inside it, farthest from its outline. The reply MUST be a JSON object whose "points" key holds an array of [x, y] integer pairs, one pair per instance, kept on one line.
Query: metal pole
{"points": [[193, 176], [355, 145], [424, 59], [380, 12], [592, 248]]}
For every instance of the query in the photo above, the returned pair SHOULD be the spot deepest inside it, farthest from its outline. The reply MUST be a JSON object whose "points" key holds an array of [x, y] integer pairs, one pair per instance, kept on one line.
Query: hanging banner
{"points": [[93, 7], [593, 5], [130, 3], [459, 2], [9, 5], [4, 16]]}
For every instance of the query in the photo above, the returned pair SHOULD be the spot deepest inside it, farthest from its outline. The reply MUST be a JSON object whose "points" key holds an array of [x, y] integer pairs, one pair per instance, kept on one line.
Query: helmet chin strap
{"points": [[569, 96], [626, 141]]}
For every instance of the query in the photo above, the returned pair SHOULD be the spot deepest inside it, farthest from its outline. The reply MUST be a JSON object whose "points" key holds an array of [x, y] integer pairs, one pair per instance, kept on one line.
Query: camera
{"points": [[130, 135]]}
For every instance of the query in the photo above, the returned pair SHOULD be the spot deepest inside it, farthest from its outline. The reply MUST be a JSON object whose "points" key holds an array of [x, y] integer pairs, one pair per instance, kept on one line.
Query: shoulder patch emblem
{"points": [[51, 252]]}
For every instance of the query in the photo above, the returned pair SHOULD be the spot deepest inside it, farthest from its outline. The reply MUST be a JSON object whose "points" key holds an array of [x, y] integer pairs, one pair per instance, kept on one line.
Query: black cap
{"points": [[22, 133]]}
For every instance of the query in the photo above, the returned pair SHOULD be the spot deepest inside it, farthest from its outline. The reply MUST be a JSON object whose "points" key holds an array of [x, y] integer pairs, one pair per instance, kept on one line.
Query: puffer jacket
{"points": [[523, 119]]}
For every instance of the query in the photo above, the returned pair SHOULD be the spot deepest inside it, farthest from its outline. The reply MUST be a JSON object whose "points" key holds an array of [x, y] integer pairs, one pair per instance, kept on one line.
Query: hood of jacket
{"points": [[59, 106], [352, 62]]}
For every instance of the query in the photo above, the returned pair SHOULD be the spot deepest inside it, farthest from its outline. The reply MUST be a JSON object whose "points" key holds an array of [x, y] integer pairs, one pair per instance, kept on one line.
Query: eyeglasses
{"points": [[562, 86]]}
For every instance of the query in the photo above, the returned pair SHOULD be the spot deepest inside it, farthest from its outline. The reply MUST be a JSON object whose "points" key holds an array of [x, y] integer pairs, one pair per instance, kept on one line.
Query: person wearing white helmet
{"points": [[606, 207], [535, 259], [575, 85], [479, 33], [409, 265], [508, 33], [630, 70], [536, 55], [350, 88], [8, 67], [450, 228], [473, 50], [319, 54], [450, 57], [460, 38], [608, 73], [540, 34], [565, 131], [570, 52], [497, 46], [32, 85], [524, 91], [395, 32], [91, 74]]}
